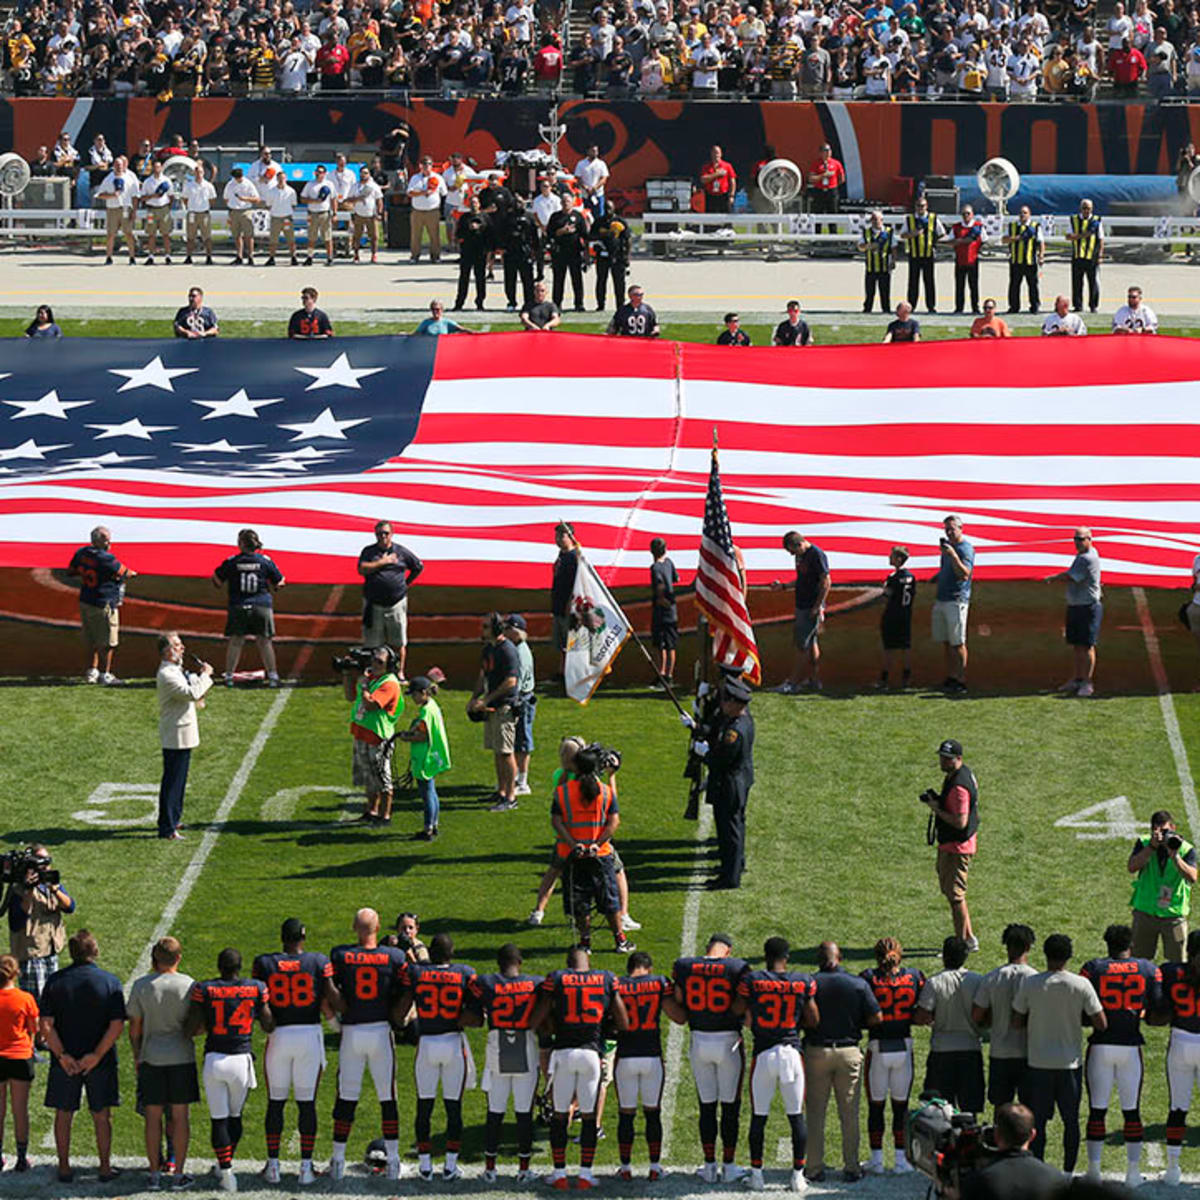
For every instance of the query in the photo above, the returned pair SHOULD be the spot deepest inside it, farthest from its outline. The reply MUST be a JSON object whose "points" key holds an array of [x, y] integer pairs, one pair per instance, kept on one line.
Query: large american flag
{"points": [[474, 447], [719, 586]]}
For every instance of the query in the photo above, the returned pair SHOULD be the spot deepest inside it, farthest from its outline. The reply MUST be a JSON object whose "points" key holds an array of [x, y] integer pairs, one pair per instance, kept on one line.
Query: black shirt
{"points": [[541, 315], [904, 331], [499, 662], [845, 1002], [389, 584], [562, 588], [664, 575], [635, 322], [740, 338], [250, 577], [474, 233], [899, 588], [303, 324], [787, 334], [82, 999], [643, 996], [1015, 1175]]}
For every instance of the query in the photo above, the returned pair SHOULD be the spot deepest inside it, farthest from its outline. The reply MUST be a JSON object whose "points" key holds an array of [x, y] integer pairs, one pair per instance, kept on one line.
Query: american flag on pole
{"points": [[719, 586]]}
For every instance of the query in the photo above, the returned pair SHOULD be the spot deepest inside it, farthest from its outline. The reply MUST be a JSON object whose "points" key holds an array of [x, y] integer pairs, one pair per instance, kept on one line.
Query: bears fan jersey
{"points": [[775, 1002], [1181, 997], [897, 996], [230, 1008], [1128, 988], [439, 994], [508, 1000], [368, 979], [643, 996], [706, 988], [581, 1001], [295, 983]]}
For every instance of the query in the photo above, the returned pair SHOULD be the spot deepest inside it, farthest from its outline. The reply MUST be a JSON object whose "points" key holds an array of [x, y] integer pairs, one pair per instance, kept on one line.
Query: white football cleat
{"points": [[527, 1177], [307, 1175], [393, 1168], [874, 1166], [1133, 1176], [798, 1183], [629, 924], [489, 1175], [1173, 1175], [337, 1169], [903, 1166], [270, 1173], [536, 917], [754, 1180], [227, 1180], [709, 1173], [450, 1174], [732, 1173]]}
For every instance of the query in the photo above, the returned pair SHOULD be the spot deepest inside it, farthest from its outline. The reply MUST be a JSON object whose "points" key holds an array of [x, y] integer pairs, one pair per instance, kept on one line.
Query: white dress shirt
{"points": [[240, 194], [198, 195], [156, 193], [426, 191]]}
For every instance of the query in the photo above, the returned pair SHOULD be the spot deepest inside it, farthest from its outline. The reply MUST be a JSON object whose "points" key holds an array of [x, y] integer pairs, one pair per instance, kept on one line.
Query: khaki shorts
{"points": [[118, 220], [318, 228], [372, 767], [240, 224], [949, 622], [158, 220], [386, 626], [364, 227], [280, 226], [500, 732], [101, 625], [199, 225], [952, 874]]}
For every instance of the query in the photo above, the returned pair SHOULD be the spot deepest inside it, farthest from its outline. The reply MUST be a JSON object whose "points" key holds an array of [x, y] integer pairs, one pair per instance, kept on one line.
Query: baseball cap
{"points": [[735, 689], [515, 621], [950, 749], [292, 930], [420, 683]]}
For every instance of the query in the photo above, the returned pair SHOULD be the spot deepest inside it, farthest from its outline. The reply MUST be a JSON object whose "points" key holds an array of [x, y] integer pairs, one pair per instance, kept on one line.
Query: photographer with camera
{"points": [[953, 824], [36, 903], [1013, 1172], [378, 703], [1165, 870], [388, 570]]}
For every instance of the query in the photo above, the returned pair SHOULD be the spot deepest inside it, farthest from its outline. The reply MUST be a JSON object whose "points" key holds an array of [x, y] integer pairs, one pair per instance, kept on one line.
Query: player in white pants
{"points": [[367, 1048], [718, 1063], [228, 1080], [294, 1061], [1181, 1006], [575, 1075]]}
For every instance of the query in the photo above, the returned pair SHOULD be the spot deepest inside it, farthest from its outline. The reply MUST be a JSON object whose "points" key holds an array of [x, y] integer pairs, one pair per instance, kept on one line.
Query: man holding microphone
{"points": [[179, 696]]}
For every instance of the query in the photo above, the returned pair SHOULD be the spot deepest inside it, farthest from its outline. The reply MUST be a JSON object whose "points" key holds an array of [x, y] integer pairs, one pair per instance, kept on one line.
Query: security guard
{"points": [[567, 233], [521, 249], [1087, 248], [729, 754], [474, 237], [610, 240], [1026, 252], [922, 232], [879, 250]]}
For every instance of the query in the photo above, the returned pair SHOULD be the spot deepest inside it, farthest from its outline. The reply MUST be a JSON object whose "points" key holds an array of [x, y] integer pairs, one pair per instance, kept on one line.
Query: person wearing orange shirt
{"points": [[18, 1024], [989, 325]]}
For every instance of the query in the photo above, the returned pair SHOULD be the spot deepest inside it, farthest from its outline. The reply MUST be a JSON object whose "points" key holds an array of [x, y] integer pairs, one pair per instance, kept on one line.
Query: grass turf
{"points": [[836, 838]]}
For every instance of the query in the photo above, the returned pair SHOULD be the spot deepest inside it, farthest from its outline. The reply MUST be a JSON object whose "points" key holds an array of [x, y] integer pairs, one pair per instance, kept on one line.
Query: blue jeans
{"points": [[427, 790]]}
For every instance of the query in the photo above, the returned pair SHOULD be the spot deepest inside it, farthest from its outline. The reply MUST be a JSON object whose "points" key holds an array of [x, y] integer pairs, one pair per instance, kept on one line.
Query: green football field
{"points": [[836, 835]]}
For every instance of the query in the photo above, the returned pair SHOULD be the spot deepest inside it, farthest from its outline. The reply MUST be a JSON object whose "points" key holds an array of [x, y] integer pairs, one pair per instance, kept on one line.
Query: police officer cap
{"points": [[950, 749], [735, 689]]}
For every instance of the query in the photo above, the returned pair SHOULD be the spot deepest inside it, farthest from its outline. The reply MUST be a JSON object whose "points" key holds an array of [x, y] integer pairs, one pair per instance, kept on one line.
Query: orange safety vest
{"points": [[584, 821]]}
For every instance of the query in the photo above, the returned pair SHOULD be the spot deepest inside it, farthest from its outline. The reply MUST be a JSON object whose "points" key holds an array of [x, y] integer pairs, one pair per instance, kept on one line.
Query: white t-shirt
{"points": [[705, 65], [240, 194], [1023, 71], [544, 207], [592, 174], [366, 198], [156, 193], [996, 57], [345, 179], [318, 196], [1070, 325], [198, 195], [878, 83], [293, 71], [262, 175], [281, 200], [119, 191], [455, 181], [1055, 1003], [100, 156], [426, 191], [1118, 29], [1136, 320], [519, 18]]}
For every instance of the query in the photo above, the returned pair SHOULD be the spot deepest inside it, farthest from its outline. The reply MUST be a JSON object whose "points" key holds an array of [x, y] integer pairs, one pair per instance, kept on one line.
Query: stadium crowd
{"points": [[771, 49]]}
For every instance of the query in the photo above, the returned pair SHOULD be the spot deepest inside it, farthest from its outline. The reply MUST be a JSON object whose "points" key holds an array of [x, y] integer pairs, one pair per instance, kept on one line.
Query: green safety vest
{"points": [[432, 757], [1160, 891], [381, 723]]}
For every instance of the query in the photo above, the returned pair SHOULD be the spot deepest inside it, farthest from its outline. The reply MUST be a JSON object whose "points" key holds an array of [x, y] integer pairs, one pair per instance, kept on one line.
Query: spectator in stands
{"points": [[100, 160], [1162, 61], [66, 157], [989, 325], [1127, 65], [43, 324]]}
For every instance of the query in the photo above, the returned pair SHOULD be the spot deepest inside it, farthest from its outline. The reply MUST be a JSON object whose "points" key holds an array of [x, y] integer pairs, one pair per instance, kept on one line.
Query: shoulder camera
{"points": [[16, 865]]}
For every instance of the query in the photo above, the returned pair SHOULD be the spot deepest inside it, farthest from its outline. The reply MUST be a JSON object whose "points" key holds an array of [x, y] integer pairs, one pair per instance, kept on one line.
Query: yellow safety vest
{"points": [[921, 236], [1023, 249], [1087, 229]]}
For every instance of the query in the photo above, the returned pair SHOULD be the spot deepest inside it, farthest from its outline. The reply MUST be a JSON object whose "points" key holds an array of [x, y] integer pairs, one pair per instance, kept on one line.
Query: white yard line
{"points": [[1166, 704], [687, 946]]}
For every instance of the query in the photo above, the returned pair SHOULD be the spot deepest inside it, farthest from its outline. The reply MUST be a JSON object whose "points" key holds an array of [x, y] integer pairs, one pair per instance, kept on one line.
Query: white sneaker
{"points": [[1085, 690], [92, 675], [270, 1173], [874, 1166], [556, 1179], [307, 1175], [228, 1180], [522, 789], [527, 1177], [110, 680], [489, 1176], [754, 1181], [393, 1168], [797, 1183], [1093, 1172], [450, 1174], [972, 944], [1133, 1176], [732, 1173], [709, 1173], [1173, 1175], [536, 917], [629, 924], [337, 1169], [903, 1166]]}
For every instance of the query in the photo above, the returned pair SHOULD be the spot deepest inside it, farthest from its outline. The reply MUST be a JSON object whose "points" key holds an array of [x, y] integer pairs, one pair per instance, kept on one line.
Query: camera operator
{"points": [[953, 823], [378, 704], [408, 938], [1013, 1173], [1165, 867], [36, 903]]}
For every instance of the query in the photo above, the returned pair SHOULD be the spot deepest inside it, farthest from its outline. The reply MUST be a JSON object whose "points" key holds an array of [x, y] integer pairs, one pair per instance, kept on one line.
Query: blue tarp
{"points": [[1062, 193]]}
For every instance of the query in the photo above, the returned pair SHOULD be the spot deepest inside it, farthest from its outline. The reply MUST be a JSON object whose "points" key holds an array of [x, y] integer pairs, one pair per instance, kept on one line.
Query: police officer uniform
{"points": [[1085, 260], [610, 239], [521, 251], [922, 232], [730, 759], [1024, 258], [879, 256], [474, 237], [567, 231]]}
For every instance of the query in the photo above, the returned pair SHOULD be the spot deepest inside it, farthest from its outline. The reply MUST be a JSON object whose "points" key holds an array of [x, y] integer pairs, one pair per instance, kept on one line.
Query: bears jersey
{"points": [[368, 980], [897, 996], [643, 996], [1127, 987], [775, 1002], [706, 988], [1181, 997], [439, 994], [508, 1000], [295, 983], [581, 1001], [230, 1008]]}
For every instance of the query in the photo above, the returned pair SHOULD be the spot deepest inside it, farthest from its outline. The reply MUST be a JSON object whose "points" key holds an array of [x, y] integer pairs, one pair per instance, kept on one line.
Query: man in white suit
{"points": [[178, 728]]}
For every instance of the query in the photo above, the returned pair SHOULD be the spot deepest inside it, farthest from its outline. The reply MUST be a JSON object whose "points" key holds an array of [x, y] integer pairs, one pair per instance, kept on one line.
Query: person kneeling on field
{"points": [[377, 705]]}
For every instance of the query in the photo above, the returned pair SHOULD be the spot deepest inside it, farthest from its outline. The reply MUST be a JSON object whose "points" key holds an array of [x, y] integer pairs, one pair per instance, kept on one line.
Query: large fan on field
{"points": [[14, 174], [780, 181], [1193, 185], [178, 169], [998, 180]]}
